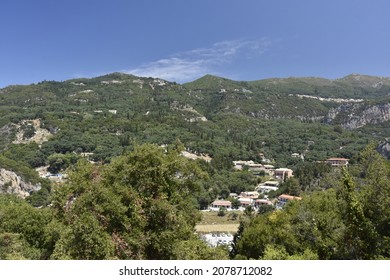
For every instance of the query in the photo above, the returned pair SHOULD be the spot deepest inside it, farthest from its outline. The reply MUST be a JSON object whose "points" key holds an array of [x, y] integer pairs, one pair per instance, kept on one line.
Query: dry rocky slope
{"points": [[12, 183]]}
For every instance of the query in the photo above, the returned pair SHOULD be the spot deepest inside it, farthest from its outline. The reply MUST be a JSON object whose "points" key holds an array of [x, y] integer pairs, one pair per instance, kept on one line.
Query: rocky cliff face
{"points": [[384, 148], [10, 182], [370, 115], [352, 116]]}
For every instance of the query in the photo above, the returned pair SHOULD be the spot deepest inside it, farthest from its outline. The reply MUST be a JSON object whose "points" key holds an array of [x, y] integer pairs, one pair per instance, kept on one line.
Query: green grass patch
{"points": [[211, 222]]}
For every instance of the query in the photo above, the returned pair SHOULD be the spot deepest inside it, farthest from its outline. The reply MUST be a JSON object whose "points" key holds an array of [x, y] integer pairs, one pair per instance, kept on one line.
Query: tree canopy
{"points": [[347, 221]]}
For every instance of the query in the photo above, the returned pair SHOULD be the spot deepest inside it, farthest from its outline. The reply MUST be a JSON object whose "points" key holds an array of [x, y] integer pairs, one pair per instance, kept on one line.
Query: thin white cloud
{"points": [[192, 64]]}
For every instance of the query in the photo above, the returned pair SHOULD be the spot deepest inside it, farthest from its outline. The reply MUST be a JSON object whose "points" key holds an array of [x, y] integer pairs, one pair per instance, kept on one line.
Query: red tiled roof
{"points": [[263, 201], [222, 203], [289, 197]]}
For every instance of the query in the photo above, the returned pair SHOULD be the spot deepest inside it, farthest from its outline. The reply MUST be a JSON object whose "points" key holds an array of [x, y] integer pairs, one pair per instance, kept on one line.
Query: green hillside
{"points": [[119, 138], [213, 115]]}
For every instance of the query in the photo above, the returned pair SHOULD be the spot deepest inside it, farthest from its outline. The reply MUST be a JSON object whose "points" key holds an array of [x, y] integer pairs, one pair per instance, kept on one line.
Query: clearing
{"points": [[211, 222]]}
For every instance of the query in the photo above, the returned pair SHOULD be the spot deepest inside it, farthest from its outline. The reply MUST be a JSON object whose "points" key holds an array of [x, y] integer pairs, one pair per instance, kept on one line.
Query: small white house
{"points": [[217, 204], [267, 186], [266, 189]]}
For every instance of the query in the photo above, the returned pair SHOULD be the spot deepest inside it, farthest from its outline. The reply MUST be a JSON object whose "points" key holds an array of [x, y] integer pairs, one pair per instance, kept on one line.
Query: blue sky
{"points": [[181, 40]]}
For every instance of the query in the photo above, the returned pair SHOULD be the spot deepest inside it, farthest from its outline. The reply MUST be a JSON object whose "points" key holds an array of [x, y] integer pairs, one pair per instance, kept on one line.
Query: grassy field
{"points": [[211, 222], [227, 228]]}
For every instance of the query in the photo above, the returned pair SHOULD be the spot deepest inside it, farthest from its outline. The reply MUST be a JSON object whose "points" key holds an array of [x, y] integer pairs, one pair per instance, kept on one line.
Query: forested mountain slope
{"points": [[119, 138], [211, 115]]}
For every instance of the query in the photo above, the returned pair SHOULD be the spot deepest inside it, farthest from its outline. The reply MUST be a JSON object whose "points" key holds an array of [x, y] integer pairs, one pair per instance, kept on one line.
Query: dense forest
{"points": [[130, 194]]}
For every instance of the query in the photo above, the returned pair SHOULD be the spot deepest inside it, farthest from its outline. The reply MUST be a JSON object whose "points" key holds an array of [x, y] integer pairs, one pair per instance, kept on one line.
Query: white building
{"points": [[217, 204], [267, 186]]}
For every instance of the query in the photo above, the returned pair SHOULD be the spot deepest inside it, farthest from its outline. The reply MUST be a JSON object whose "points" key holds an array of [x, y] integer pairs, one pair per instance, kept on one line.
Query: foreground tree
{"points": [[22, 229], [141, 206], [366, 212], [347, 221]]}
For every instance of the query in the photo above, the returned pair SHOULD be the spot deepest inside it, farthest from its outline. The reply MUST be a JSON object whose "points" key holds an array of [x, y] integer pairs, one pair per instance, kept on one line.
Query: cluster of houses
{"points": [[252, 199], [259, 196], [280, 173], [255, 198], [277, 173]]}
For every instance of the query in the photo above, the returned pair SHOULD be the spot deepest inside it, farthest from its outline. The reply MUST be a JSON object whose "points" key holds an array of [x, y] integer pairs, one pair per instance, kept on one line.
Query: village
{"points": [[222, 234], [254, 198], [259, 196]]}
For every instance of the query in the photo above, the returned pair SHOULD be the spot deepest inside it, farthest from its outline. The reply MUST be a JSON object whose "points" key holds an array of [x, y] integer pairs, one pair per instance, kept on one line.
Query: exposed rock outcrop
{"points": [[384, 148], [40, 135], [352, 116], [370, 115], [12, 183]]}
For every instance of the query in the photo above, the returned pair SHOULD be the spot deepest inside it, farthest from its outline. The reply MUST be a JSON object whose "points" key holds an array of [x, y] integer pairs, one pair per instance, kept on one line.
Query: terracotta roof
{"points": [[222, 203], [263, 201], [253, 194], [289, 197]]}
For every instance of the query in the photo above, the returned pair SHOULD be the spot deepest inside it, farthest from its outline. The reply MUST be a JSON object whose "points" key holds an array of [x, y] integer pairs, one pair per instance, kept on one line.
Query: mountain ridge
{"points": [[210, 77], [352, 76]]}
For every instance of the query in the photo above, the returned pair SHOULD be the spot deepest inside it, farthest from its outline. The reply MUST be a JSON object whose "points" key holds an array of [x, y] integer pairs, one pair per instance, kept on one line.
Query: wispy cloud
{"points": [[192, 64]]}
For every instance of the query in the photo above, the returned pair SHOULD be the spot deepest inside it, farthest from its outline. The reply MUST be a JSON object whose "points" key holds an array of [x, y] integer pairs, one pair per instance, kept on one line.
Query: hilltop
{"points": [[351, 86]]}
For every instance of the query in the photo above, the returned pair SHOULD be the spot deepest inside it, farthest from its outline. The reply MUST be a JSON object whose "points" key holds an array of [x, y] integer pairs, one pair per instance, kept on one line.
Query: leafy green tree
{"points": [[14, 247], [196, 249], [41, 197], [138, 207], [25, 224], [233, 215], [84, 239], [375, 192], [360, 234], [291, 187], [29, 131], [265, 208], [235, 203], [365, 199], [124, 140], [29, 154], [348, 220], [317, 223], [313, 224], [280, 253], [59, 162], [221, 212]]}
